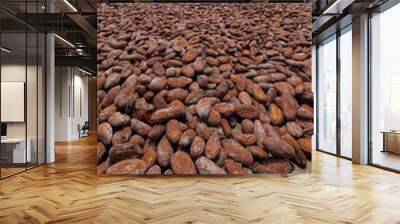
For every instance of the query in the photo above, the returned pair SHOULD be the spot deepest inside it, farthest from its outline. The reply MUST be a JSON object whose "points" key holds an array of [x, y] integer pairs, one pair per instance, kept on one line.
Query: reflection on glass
{"points": [[385, 84], [346, 93], [327, 96]]}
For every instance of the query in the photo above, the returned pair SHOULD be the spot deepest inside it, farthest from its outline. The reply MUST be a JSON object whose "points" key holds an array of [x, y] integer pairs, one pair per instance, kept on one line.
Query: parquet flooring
{"points": [[69, 191]]}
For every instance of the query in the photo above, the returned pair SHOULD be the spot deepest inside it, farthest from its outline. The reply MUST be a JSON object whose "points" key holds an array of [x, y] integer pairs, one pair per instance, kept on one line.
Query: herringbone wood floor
{"points": [[69, 191]]}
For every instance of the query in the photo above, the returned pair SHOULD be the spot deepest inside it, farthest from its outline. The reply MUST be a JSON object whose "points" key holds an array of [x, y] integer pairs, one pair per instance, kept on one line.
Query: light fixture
{"points": [[64, 40], [70, 5], [5, 49], [79, 51], [86, 72]]}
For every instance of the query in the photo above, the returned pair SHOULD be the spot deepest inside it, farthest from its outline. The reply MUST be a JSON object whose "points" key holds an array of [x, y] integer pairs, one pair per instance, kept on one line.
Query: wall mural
{"points": [[204, 88]]}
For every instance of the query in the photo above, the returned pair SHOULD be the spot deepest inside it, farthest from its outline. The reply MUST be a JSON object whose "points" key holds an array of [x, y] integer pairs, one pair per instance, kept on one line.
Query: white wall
{"points": [[70, 83]]}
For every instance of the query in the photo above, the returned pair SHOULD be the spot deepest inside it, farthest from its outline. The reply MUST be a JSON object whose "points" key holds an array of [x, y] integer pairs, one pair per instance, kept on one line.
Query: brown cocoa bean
{"points": [[110, 96], [121, 136], [224, 109], [276, 115], [213, 147], [104, 133], [289, 106], [245, 138], [305, 112], [187, 138], [175, 109], [247, 126], [140, 127], [173, 131], [156, 132], [154, 170], [237, 151], [305, 145], [259, 132], [278, 166], [164, 152], [181, 163], [190, 55], [203, 107], [258, 93], [157, 84], [150, 158], [233, 167], [206, 166], [197, 147], [279, 148], [107, 112], [246, 111], [119, 120], [137, 139], [123, 151], [128, 166], [294, 129], [214, 118]]}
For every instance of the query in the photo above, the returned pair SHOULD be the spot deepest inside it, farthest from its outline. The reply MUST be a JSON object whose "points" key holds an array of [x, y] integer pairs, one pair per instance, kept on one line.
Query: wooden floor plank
{"points": [[69, 191]]}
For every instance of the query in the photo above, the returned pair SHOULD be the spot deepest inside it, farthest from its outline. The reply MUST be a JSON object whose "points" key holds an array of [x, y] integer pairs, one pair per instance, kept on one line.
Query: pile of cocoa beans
{"points": [[204, 88]]}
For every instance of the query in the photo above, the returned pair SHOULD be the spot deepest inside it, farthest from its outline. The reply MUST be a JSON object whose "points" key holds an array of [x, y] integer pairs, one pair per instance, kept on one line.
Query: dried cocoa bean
{"points": [[279, 148], [236, 95], [123, 151], [173, 131], [237, 151], [119, 120], [278, 166], [128, 166], [104, 133], [181, 163], [156, 132], [213, 147], [164, 152], [197, 147], [175, 109], [233, 167], [206, 166], [140, 127], [154, 170], [121, 136]]}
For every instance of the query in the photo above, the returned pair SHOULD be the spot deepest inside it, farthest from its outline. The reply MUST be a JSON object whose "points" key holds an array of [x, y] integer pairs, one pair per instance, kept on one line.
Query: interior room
{"points": [[53, 85]]}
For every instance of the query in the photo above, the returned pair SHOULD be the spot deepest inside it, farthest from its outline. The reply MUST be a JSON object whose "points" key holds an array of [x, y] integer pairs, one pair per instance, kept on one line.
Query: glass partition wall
{"points": [[327, 95], [334, 94], [385, 89], [22, 101], [345, 91]]}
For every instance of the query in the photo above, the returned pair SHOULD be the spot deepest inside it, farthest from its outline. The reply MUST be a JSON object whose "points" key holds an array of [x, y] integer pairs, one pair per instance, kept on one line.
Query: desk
{"points": [[391, 141], [13, 150]]}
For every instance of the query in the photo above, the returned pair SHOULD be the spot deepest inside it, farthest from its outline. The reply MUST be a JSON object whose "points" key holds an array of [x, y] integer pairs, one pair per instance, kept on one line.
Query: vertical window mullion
{"points": [[338, 75]]}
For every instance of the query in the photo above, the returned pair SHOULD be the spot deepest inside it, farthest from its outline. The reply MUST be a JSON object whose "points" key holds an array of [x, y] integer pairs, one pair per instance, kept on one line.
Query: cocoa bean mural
{"points": [[204, 88]]}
